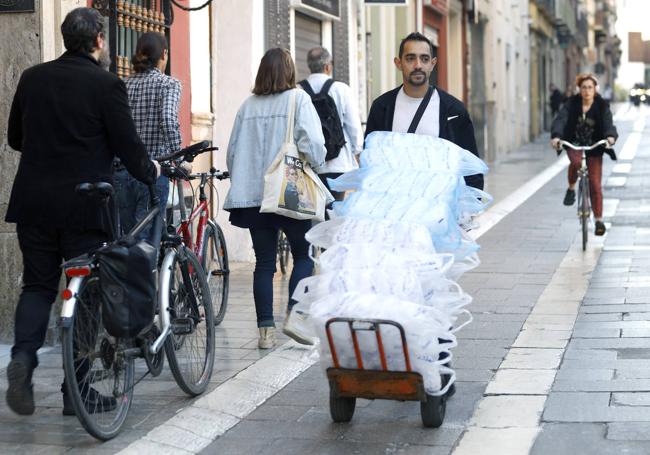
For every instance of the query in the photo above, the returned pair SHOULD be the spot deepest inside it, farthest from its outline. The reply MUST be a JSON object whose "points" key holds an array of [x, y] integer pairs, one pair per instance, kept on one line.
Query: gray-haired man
{"points": [[320, 86]]}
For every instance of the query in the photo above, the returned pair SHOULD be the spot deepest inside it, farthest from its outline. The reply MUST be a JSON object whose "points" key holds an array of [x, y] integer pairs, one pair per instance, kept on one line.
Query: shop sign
{"points": [[16, 6], [386, 2], [330, 7]]}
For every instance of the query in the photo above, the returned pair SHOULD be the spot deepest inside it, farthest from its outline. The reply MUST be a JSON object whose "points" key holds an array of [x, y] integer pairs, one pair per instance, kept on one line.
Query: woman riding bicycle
{"points": [[585, 119]]}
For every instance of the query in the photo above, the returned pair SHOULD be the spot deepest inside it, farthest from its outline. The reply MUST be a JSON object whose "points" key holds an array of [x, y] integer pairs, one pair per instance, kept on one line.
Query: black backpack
{"points": [[329, 118]]}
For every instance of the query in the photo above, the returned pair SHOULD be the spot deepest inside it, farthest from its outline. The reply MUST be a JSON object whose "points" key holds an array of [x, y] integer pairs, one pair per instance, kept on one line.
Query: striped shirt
{"points": [[155, 98]]}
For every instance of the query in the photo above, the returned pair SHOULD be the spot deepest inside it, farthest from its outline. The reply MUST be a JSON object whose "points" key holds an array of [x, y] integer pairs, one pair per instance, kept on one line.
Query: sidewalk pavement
{"points": [[600, 400], [519, 255]]}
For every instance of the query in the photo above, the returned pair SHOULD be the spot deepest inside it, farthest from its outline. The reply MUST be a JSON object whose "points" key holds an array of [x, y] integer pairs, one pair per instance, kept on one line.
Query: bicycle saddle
{"points": [[100, 189]]}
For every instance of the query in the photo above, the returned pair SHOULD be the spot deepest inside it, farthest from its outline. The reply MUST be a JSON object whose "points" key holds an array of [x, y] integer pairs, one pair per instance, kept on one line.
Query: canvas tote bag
{"points": [[291, 187]]}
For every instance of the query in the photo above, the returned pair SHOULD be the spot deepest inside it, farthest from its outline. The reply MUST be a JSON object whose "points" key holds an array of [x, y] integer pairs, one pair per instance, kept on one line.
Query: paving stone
{"points": [[534, 338], [617, 385], [533, 358], [596, 333], [636, 333], [584, 374], [623, 372], [576, 407], [505, 441], [582, 438], [521, 382], [509, 411], [631, 399], [628, 431]]}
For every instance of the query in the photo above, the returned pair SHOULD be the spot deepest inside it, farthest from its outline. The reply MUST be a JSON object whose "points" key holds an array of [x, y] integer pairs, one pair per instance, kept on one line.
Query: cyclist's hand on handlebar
{"points": [[611, 140], [555, 143], [157, 166]]}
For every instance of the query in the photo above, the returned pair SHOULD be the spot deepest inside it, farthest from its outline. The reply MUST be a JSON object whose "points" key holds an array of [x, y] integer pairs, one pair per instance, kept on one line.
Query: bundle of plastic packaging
{"points": [[346, 268], [412, 151], [433, 186], [393, 252], [385, 233], [424, 328], [437, 216]]}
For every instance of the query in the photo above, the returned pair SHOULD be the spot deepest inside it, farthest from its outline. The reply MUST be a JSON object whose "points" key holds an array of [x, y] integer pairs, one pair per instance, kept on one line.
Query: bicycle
{"points": [[209, 243], [284, 249], [100, 368], [584, 204]]}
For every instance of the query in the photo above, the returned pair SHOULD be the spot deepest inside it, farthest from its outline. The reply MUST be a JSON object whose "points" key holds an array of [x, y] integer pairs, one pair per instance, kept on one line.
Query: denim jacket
{"points": [[256, 138]]}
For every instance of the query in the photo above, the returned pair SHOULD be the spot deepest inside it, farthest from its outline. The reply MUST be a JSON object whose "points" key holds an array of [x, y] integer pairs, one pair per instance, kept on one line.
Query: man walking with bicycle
{"points": [[583, 120], [69, 118]]}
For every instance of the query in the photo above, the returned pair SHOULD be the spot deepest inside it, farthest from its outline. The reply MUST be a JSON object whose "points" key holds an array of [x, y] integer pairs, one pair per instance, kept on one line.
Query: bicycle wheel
{"points": [[215, 264], [99, 378], [284, 249], [190, 351], [583, 207]]}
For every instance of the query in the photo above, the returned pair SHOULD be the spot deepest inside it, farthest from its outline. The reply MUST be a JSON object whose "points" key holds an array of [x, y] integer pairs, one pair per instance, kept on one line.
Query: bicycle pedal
{"points": [[217, 273], [182, 326]]}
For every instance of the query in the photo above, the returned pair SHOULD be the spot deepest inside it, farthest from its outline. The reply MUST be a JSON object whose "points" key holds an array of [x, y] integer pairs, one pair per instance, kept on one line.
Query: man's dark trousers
{"points": [[44, 249]]}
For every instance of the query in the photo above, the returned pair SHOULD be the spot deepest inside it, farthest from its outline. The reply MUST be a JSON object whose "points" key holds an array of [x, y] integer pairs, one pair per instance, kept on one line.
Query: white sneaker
{"points": [[267, 338], [292, 327]]}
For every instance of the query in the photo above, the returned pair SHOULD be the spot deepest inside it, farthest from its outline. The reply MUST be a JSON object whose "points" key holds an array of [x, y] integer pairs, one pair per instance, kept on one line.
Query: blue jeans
{"points": [[265, 243], [133, 201]]}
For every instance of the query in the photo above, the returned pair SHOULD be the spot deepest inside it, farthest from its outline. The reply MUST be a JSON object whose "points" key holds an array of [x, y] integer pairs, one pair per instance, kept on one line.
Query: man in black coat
{"points": [[444, 116], [69, 118]]}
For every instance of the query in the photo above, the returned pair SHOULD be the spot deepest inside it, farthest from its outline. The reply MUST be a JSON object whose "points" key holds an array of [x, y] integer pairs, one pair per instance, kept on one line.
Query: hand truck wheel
{"points": [[433, 411], [342, 408]]}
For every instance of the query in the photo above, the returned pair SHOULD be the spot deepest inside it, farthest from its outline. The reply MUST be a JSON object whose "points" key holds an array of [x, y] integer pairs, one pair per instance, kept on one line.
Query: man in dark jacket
{"points": [[555, 99], [69, 118], [444, 116]]}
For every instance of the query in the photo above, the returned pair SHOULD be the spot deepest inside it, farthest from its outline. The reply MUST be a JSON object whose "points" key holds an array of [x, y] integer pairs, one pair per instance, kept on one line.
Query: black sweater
{"points": [[455, 124], [564, 124]]}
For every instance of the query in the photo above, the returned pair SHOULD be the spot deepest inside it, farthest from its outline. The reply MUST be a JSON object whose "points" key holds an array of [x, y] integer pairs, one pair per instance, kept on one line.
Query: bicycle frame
{"points": [[184, 228], [201, 211]]}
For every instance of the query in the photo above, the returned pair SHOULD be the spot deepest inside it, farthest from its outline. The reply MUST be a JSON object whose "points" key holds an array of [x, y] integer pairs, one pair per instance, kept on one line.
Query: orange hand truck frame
{"points": [[347, 384]]}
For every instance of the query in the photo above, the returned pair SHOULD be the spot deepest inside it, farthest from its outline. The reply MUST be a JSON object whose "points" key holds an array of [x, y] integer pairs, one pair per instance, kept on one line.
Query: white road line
{"points": [[196, 426], [507, 420]]}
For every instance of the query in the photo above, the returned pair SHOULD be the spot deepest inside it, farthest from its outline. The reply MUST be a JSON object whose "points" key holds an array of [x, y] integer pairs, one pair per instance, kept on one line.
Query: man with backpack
{"points": [[339, 117]]}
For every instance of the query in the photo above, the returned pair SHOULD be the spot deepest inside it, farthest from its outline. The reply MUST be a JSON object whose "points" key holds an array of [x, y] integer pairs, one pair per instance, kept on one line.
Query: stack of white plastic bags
{"points": [[393, 250]]}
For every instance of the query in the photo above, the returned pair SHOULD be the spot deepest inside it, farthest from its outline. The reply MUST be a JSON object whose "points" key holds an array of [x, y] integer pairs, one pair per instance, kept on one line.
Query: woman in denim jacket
{"points": [[256, 138]]}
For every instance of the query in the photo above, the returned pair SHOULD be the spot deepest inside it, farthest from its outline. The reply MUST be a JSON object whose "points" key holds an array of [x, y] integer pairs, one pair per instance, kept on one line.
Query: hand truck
{"points": [[346, 384]]}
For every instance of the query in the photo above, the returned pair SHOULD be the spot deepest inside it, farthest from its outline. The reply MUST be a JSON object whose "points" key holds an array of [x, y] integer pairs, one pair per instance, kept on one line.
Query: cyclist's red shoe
{"points": [[569, 197], [600, 228]]}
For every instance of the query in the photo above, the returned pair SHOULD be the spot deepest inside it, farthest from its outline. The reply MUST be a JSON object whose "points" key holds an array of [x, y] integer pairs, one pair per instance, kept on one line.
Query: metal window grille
{"points": [[127, 21]]}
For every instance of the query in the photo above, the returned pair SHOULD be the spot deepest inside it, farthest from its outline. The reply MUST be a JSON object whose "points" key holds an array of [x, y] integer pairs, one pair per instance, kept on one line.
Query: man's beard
{"points": [[416, 83], [105, 57]]}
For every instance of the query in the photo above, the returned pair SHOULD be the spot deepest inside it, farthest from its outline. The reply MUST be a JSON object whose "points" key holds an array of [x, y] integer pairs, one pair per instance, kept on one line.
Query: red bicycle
{"points": [[206, 238]]}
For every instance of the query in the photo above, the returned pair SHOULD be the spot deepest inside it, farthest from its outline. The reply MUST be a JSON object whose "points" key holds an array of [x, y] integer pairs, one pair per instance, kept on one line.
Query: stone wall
{"points": [[20, 49]]}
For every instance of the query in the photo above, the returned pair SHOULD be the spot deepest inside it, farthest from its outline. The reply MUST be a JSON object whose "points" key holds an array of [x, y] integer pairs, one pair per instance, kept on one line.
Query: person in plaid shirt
{"points": [[154, 98]]}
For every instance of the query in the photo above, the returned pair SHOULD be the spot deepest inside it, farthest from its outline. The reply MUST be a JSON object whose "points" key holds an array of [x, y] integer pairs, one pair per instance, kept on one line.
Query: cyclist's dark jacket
{"points": [[69, 118], [459, 129], [564, 124]]}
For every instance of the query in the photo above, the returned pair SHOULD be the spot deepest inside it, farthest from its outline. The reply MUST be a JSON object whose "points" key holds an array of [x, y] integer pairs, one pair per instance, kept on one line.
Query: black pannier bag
{"points": [[329, 118], [127, 285]]}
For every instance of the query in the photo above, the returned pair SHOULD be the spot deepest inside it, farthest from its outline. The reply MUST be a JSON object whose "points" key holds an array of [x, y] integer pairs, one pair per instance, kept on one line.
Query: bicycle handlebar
{"points": [[585, 148], [188, 153]]}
